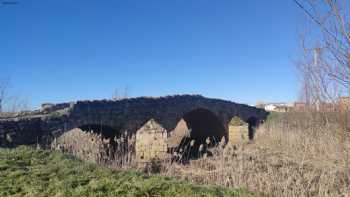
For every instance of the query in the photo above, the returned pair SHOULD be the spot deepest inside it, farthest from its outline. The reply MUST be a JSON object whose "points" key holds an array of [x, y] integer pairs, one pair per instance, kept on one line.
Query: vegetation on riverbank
{"points": [[25, 171]]}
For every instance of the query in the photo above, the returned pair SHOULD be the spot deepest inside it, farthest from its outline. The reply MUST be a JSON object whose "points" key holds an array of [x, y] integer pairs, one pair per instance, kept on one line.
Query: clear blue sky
{"points": [[65, 50]]}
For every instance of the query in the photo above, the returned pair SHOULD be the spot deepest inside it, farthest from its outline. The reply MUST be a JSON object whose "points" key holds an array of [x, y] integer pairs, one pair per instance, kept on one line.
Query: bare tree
{"points": [[117, 96], [10, 102], [325, 68], [3, 92]]}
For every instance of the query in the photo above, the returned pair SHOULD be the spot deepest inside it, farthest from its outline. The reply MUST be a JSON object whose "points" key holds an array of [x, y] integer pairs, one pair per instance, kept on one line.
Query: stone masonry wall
{"points": [[122, 115], [151, 142]]}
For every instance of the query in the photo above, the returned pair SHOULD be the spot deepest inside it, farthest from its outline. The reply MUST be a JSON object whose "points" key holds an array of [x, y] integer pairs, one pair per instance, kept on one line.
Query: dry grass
{"points": [[304, 159], [116, 153], [294, 154]]}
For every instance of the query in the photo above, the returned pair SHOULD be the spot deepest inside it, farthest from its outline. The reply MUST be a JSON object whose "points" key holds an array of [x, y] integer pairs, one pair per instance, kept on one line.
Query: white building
{"points": [[279, 107]]}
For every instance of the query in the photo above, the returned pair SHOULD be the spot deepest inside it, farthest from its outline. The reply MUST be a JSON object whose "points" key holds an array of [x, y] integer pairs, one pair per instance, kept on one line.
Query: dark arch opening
{"points": [[253, 123], [202, 124], [115, 147], [104, 130]]}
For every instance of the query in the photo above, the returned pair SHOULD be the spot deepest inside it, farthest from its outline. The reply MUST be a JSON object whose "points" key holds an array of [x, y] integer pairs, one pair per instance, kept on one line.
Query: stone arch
{"points": [[90, 141], [124, 115], [253, 123], [105, 130], [204, 123], [197, 126]]}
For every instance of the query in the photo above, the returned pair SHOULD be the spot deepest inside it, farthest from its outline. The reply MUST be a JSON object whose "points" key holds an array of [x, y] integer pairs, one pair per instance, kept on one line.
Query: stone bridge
{"points": [[204, 116]]}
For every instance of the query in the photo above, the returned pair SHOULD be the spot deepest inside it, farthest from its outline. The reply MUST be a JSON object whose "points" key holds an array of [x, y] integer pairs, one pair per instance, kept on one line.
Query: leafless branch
{"points": [[326, 65]]}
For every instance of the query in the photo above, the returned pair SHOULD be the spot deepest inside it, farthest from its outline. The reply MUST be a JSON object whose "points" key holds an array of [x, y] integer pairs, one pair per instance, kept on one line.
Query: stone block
{"points": [[238, 131], [151, 142]]}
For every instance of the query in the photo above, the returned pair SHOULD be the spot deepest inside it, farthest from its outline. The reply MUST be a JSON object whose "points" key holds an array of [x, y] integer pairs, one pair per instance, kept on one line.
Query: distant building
{"points": [[344, 102], [299, 106], [270, 107], [282, 106], [277, 107], [260, 105]]}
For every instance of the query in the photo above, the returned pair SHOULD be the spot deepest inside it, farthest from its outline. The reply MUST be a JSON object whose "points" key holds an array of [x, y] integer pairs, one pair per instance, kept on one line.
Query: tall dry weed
{"points": [[293, 154]]}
